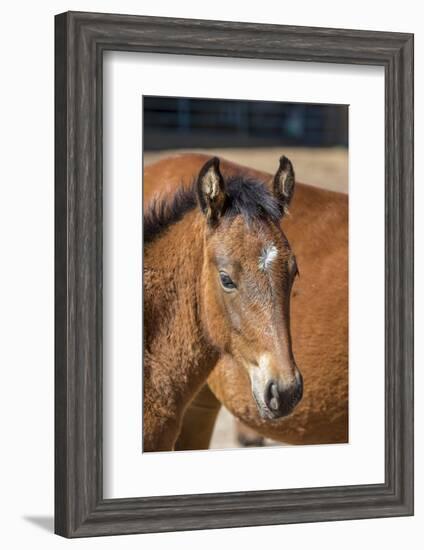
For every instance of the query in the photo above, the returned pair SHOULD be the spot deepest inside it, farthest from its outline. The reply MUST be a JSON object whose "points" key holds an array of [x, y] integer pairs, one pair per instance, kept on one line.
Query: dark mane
{"points": [[246, 197]]}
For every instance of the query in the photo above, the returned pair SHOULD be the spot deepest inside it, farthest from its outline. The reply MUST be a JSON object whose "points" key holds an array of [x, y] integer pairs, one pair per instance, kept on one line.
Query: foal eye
{"points": [[226, 281]]}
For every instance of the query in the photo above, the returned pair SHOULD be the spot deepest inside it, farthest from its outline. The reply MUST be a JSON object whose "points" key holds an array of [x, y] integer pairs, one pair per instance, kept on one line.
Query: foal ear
{"points": [[211, 190], [283, 183]]}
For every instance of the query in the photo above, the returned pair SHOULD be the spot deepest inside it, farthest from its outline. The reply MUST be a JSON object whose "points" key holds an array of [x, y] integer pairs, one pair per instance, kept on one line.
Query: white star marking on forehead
{"points": [[267, 256]]}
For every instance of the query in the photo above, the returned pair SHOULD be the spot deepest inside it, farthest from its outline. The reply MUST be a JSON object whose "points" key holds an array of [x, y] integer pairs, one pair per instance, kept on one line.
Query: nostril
{"points": [[281, 398], [272, 396], [275, 399], [274, 390]]}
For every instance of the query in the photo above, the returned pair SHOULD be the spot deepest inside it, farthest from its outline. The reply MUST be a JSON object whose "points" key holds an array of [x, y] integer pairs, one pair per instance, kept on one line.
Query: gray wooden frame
{"points": [[80, 40]]}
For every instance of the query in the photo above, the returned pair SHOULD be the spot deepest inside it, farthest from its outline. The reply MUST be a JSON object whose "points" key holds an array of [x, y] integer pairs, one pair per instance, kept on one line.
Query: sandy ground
{"points": [[225, 434], [326, 168]]}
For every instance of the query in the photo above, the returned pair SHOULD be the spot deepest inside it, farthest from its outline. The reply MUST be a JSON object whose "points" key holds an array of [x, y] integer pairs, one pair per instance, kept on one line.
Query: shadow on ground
{"points": [[43, 522]]}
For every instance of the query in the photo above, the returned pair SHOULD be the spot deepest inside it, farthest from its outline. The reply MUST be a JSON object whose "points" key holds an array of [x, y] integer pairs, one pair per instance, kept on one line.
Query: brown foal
{"points": [[218, 274], [317, 228]]}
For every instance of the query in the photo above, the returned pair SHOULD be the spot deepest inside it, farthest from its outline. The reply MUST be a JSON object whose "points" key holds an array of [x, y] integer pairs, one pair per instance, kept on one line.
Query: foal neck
{"points": [[178, 357]]}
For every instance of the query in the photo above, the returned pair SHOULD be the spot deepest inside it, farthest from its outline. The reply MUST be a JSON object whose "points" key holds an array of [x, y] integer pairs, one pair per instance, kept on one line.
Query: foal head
{"points": [[246, 281], [247, 277]]}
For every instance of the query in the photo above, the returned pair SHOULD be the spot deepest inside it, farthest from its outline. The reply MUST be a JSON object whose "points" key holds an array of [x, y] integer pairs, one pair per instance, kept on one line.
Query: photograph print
{"points": [[245, 274]]}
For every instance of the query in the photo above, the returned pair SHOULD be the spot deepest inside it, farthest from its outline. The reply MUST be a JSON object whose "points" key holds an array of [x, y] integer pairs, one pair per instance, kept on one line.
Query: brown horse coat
{"points": [[170, 322], [318, 233]]}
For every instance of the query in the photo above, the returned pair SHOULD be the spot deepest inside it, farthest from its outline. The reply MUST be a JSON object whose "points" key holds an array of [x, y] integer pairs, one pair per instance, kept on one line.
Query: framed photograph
{"points": [[234, 274]]}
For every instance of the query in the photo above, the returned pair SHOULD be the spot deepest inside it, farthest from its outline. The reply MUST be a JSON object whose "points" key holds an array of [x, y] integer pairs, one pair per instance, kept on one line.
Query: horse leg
{"points": [[248, 437], [198, 422]]}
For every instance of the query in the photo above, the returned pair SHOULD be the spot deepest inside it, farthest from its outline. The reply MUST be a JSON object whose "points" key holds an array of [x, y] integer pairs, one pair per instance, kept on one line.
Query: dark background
{"points": [[181, 123]]}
